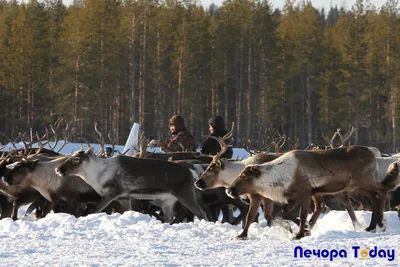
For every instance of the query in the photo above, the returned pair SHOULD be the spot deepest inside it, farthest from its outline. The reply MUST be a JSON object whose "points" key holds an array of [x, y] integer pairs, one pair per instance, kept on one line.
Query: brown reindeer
{"points": [[298, 175], [222, 172]]}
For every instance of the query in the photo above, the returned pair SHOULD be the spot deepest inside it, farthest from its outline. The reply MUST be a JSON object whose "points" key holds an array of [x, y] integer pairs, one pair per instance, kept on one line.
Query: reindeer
{"points": [[123, 176], [210, 201], [382, 162], [15, 195], [24, 169], [296, 176], [222, 172], [40, 175]]}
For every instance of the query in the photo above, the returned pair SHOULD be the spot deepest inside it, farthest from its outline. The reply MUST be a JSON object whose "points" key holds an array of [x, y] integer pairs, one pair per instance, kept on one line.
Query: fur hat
{"points": [[178, 122]]}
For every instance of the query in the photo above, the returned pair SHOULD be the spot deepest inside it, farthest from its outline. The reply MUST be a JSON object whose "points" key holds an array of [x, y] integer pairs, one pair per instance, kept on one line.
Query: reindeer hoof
{"points": [[371, 229], [297, 237], [241, 237], [300, 235]]}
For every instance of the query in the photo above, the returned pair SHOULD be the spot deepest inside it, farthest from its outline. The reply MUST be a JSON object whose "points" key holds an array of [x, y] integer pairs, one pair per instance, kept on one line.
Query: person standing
{"points": [[217, 129]]}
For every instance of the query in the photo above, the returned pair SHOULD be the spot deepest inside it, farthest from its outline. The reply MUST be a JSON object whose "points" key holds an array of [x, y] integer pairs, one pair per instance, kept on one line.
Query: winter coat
{"points": [[211, 146], [181, 139]]}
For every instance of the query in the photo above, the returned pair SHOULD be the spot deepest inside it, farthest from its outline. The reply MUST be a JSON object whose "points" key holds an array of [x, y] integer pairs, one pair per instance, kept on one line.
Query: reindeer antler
{"points": [[66, 132], [222, 143], [327, 140], [143, 145], [9, 140], [347, 136], [248, 146], [227, 136], [342, 139], [4, 155], [294, 145]]}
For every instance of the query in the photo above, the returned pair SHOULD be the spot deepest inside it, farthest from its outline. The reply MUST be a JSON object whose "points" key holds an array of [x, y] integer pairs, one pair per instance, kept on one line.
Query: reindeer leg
{"points": [[180, 212], [104, 202], [47, 208], [304, 226], [319, 205], [287, 212], [244, 209], [15, 206], [345, 201], [211, 212], [254, 204], [31, 208], [375, 209], [382, 202], [268, 207], [227, 213], [188, 199], [6, 210], [242, 217]]}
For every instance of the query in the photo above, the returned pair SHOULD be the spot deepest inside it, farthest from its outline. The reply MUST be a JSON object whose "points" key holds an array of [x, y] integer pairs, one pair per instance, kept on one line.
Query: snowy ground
{"points": [[136, 239]]}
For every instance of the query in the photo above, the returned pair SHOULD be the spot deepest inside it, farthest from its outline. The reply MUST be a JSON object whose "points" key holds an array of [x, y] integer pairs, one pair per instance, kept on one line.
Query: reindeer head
{"points": [[75, 162], [209, 178], [392, 179], [18, 173], [244, 184]]}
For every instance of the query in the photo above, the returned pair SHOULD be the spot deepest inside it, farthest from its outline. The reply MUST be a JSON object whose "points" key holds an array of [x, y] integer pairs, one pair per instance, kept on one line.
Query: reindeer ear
{"points": [[395, 169], [254, 171], [89, 151]]}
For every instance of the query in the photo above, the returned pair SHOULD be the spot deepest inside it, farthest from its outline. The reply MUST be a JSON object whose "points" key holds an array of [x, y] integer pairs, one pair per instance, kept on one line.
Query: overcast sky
{"points": [[279, 3]]}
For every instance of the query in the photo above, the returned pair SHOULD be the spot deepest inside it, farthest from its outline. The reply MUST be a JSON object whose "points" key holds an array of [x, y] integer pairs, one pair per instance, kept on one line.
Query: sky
{"points": [[279, 3]]}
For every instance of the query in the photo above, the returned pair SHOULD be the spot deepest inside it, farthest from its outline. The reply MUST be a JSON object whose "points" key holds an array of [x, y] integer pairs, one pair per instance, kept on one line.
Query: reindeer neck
{"points": [[45, 179], [97, 171], [231, 171], [277, 176]]}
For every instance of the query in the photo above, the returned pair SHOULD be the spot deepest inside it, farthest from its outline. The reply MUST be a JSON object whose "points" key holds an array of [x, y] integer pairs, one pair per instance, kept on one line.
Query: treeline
{"points": [[303, 71]]}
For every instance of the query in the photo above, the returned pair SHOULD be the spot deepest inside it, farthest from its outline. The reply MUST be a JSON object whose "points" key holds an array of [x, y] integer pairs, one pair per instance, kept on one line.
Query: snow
{"points": [[137, 239]]}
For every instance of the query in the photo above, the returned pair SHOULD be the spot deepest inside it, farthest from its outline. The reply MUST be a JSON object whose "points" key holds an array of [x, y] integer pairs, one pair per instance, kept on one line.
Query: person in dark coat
{"points": [[217, 129], [181, 139]]}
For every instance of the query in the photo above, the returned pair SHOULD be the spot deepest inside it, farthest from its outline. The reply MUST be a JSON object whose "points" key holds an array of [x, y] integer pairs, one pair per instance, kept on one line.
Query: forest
{"points": [[301, 70]]}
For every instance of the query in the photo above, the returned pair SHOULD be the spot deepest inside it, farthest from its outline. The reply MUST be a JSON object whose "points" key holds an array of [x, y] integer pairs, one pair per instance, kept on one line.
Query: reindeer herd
{"points": [[177, 187]]}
